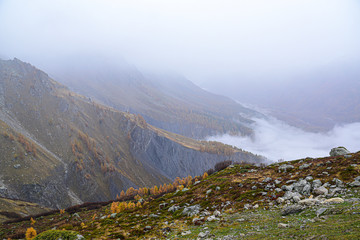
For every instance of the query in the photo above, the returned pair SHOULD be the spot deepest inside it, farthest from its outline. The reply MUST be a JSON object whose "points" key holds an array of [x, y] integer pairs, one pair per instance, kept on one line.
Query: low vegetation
{"points": [[233, 202]]}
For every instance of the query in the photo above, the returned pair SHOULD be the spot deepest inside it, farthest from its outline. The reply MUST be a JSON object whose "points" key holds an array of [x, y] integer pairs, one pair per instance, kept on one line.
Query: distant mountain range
{"points": [[167, 101], [59, 148], [315, 100]]}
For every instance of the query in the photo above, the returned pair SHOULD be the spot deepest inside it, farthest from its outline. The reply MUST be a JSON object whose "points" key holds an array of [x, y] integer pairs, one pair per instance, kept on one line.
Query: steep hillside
{"points": [[302, 199], [59, 148], [12, 209], [170, 102]]}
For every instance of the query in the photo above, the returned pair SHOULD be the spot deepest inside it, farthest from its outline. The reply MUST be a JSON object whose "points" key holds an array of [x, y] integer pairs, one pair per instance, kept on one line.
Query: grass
{"points": [[340, 221]]}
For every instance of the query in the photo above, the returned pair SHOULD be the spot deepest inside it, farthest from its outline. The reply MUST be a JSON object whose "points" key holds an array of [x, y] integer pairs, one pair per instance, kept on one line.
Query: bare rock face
{"points": [[339, 151]]}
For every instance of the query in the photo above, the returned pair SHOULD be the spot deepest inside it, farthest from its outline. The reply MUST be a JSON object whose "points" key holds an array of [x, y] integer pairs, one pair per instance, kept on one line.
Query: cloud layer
{"points": [[223, 41], [277, 140]]}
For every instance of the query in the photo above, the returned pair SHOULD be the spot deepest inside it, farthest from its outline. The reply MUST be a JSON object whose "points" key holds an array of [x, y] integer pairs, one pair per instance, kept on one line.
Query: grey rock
{"points": [[186, 233], [173, 208], [268, 179], [217, 213], [339, 151], [306, 190], [208, 192], [280, 200], [185, 189], [113, 215], [296, 199], [357, 179], [309, 178], [79, 237], [203, 234], [153, 215], [290, 195], [240, 185], [304, 166], [285, 167], [278, 190], [247, 206], [254, 187], [320, 191], [292, 209], [287, 188], [277, 181], [269, 186], [309, 201], [240, 220], [334, 191], [191, 210], [338, 182], [16, 166], [283, 225], [205, 213], [217, 188], [212, 218], [355, 184], [196, 183], [334, 200], [320, 211], [147, 228]]}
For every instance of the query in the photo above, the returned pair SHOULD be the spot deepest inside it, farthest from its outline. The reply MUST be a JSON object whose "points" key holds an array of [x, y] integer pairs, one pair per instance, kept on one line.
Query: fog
{"points": [[217, 44], [276, 140], [242, 49]]}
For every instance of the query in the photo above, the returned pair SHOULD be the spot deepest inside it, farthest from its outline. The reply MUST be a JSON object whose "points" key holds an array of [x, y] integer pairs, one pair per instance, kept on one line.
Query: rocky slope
{"points": [[168, 101], [59, 148], [302, 199]]}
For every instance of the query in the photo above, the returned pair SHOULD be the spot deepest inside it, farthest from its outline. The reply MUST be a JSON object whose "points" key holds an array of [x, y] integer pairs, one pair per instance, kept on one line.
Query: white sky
{"points": [[202, 39]]}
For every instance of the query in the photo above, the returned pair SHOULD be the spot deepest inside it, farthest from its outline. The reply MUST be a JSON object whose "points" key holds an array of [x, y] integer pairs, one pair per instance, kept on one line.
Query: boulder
{"points": [[173, 208], [334, 200], [212, 218], [316, 183], [320, 191], [339, 151], [191, 210], [304, 166], [320, 211], [309, 201], [285, 167], [203, 234], [186, 233], [283, 225], [292, 209]]}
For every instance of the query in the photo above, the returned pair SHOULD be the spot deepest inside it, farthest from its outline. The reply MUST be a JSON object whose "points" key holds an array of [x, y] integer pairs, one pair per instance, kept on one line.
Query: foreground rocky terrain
{"points": [[302, 199]]}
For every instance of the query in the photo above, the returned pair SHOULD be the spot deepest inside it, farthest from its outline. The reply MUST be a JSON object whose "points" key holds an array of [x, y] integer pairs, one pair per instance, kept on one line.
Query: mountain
{"points": [[168, 101], [59, 148], [301, 199], [315, 100]]}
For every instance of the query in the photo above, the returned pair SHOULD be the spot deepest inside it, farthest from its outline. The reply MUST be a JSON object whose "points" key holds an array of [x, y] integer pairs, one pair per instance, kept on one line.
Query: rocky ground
{"points": [[302, 199]]}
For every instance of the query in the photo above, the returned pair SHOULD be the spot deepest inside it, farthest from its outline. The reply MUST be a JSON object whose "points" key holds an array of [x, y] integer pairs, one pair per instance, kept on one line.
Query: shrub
{"points": [[30, 233], [57, 234]]}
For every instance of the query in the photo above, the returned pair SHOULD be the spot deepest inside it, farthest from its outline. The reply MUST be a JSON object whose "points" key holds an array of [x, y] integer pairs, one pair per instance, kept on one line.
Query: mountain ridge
{"points": [[84, 145]]}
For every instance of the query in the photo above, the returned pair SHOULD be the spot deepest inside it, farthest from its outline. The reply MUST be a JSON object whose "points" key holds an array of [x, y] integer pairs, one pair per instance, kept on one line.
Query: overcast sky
{"points": [[202, 39]]}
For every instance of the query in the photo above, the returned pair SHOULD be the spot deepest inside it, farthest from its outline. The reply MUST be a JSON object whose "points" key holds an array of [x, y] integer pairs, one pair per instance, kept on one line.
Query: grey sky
{"points": [[202, 39]]}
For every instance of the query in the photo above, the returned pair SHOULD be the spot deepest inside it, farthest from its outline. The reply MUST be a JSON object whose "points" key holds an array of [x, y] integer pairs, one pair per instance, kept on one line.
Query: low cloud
{"points": [[277, 140]]}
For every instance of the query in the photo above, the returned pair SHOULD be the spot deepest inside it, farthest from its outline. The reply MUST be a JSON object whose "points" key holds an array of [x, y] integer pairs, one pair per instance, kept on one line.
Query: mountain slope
{"points": [[60, 148], [167, 101], [302, 199]]}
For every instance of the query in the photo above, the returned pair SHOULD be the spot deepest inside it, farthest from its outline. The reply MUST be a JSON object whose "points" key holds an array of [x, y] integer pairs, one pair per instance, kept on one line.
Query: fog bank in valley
{"points": [[277, 140]]}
